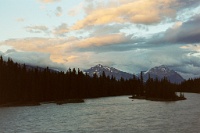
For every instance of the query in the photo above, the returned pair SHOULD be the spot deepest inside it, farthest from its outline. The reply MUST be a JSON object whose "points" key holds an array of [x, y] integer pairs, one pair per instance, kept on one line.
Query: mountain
{"points": [[32, 67], [109, 71], [161, 72]]}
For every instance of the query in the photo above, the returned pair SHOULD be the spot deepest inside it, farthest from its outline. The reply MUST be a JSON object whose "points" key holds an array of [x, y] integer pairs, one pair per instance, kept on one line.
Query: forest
{"points": [[190, 85], [18, 84]]}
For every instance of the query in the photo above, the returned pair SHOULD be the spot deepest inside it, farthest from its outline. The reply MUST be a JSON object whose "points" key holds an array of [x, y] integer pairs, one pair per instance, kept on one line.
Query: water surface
{"points": [[112, 114]]}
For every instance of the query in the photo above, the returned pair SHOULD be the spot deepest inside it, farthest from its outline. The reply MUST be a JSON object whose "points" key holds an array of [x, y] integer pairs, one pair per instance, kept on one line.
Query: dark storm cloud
{"points": [[128, 44], [188, 3], [187, 32]]}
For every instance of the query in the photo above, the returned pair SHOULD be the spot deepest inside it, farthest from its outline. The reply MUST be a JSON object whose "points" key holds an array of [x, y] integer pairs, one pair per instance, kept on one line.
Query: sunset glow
{"points": [[131, 35]]}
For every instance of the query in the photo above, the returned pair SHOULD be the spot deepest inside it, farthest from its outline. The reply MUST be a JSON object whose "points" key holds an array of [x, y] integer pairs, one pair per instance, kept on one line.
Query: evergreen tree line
{"points": [[162, 89], [156, 89], [20, 84], [190, 85]]}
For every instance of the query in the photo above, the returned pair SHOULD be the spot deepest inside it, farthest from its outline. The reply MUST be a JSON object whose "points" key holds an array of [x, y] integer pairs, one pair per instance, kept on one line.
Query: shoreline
{"points": [[158, 99], [20, 104], [66, 101], [59, 102]]}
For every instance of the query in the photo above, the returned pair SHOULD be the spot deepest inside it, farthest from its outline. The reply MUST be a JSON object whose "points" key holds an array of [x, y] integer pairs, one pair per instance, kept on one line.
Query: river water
{"points": [[112, 115]]}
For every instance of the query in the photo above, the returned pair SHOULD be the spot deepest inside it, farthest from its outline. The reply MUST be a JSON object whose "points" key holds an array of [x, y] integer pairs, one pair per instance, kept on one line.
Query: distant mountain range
{"points": [[156, 72], [161, 72], [109, 71]]}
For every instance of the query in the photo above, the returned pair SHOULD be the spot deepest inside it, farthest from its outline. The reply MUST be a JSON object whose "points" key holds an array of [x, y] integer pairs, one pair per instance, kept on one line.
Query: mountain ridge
{"points": [[109, 71], [156, 72], [163, 71]]}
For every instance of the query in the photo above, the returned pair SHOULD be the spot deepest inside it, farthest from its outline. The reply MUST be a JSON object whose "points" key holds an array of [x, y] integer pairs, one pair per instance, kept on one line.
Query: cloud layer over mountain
{"points": [[131, 35]]}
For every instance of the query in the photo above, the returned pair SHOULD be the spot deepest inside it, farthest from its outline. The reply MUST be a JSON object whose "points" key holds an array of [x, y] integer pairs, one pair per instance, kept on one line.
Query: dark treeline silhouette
{"points": [[190, 85], [19, 84], [155, 89]]}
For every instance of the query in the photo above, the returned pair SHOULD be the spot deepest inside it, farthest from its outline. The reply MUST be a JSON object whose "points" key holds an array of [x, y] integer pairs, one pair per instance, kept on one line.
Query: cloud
{"points": [[145, 12], [125, 34], [188, 3], [180, 33], [68, 52], [140, 12], [58, 11], [103, 40], [194, 47], [33, 58], [61, 30], [101, 30], [186, 62], [62, 50], [49, 1], [37, 29], [53, 44], [55, 47], [116, 43], [190, 65], [57, 52], [193, 55], [4, 48]]}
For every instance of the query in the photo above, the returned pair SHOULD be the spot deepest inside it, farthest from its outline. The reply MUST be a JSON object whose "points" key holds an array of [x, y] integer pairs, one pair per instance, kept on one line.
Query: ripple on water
{"points": [[112, 114]]}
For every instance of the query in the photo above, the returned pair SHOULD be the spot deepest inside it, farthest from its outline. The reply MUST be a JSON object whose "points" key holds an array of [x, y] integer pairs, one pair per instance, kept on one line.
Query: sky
{"points": [[130, 35]]}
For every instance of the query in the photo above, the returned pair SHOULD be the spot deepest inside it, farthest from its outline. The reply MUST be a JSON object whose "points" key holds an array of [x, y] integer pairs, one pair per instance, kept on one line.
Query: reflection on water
{"points": [[113, 114]]}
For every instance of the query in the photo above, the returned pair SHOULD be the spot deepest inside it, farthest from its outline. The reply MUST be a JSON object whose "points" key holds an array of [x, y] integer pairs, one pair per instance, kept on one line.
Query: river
{"points": [[112, 115]]}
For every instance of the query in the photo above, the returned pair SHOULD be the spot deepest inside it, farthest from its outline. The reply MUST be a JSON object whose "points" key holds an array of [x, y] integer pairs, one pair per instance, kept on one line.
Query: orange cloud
{"points": [[139, 11], [103, 40], [63, 50], [194, 47], [43, 45]]}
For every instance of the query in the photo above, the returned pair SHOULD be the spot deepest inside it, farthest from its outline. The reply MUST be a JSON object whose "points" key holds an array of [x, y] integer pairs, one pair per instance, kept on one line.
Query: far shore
{"points": [[158, 99], [20, 104], [66, 101], [59, 102]]}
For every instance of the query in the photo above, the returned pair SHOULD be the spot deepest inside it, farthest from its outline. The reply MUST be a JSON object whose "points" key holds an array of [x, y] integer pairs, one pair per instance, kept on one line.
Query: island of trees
{"points": [[157, 90], [22, 86], [190, 85]]}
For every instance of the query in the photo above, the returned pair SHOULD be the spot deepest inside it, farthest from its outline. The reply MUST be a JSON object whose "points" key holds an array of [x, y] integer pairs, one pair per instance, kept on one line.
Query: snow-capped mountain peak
{"points": [[161, 72], [99, 65], [109, 71]]}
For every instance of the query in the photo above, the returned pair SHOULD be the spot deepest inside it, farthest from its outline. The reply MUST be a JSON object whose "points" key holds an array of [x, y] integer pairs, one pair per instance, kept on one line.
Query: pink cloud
{"points": [[139, 12], [103, 40]]}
